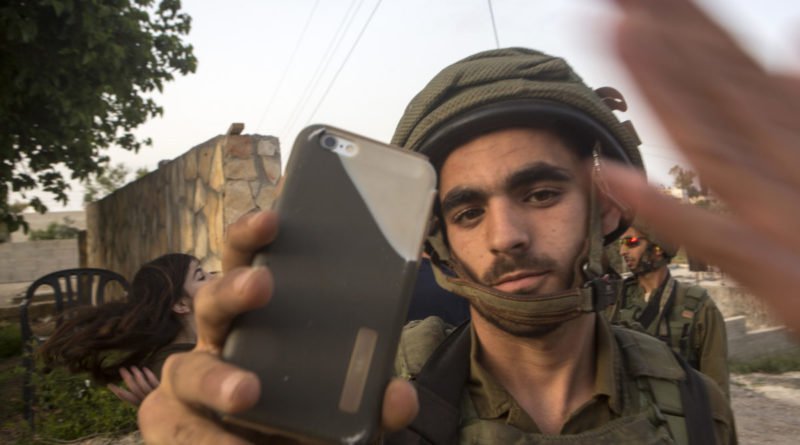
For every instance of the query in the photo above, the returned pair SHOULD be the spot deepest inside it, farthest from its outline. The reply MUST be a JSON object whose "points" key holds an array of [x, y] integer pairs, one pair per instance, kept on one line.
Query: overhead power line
{"points": [[322, 66], [344, 62], [288, 65], [494, 26]]}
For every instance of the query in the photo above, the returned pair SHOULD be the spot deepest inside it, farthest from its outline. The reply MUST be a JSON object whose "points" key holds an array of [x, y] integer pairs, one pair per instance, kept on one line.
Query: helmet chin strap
{"points": [[592, 289]]}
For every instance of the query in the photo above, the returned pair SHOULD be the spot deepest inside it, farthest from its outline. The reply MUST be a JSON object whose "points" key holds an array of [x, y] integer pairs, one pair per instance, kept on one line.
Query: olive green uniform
{"points": [[620, 411], [690, 324]]}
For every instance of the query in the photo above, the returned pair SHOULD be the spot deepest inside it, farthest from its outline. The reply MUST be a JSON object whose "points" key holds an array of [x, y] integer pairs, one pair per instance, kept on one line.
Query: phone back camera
{"points": [[329, 142]]}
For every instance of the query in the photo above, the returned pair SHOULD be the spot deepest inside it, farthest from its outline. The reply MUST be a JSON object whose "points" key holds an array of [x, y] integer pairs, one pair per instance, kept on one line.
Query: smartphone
{"points": [[353, 214]]}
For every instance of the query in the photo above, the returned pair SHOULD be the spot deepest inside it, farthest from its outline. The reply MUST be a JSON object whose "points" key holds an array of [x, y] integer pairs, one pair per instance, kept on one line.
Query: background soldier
{"points": [[684, 316]]}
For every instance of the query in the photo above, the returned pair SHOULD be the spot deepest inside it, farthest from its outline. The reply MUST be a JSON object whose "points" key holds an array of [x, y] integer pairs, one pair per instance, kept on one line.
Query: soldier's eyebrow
{"points": [[536, 172], [524, 177], [459, 196]]}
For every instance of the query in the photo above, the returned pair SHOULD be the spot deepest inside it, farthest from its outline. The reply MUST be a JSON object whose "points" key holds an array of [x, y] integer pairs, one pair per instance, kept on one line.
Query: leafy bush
{"points": [[10, 340], [56, 230], [777, 364], [70, 406]]}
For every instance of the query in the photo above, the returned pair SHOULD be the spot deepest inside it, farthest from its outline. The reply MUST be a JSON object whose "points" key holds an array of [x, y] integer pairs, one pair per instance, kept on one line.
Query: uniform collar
{"points": [[492, 401]]}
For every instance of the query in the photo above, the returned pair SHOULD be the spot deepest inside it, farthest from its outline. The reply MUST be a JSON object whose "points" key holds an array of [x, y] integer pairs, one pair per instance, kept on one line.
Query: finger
{"points": [[219, 301], [124, 395], [152, 379], [132, 384], [141, 381], [400, 405], [164, 420], [765, 268], [199, 378], [245, 236]]}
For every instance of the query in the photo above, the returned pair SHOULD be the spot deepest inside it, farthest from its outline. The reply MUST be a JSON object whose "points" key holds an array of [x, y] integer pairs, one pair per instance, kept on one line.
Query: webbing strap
{"points": [[439, 385], [696, 407]]}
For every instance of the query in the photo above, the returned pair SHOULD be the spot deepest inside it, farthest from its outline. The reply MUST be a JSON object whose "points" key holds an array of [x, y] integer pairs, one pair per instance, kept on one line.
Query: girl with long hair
{"points": [[155, 320]]}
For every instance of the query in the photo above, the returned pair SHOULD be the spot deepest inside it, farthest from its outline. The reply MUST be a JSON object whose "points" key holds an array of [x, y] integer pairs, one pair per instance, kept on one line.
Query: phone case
{"points": [[352, 221]]}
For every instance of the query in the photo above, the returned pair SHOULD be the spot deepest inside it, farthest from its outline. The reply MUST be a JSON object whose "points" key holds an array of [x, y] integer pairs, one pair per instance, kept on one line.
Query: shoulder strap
{"points": [[439, 385], [695, 295], [696, 406]]}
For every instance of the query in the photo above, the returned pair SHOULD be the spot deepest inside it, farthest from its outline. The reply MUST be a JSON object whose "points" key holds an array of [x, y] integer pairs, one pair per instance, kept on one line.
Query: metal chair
{"points": [[71, 288]]}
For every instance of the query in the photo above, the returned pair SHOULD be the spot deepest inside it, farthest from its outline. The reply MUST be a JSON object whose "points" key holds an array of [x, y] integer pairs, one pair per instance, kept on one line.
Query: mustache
{"points": [[503, 265]]}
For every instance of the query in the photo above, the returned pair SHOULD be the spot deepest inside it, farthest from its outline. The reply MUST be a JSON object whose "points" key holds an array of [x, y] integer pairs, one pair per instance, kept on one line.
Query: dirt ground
{"points": [[767, 408]]}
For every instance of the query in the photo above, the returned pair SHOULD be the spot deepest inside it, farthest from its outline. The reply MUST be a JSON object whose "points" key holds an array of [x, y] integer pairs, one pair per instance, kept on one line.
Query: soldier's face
{"points": [[515, 208], [632, 247]]}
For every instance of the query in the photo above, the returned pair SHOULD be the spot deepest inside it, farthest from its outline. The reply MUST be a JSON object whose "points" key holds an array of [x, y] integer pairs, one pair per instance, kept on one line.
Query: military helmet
{"points": [[669, 250], [514, 87]]}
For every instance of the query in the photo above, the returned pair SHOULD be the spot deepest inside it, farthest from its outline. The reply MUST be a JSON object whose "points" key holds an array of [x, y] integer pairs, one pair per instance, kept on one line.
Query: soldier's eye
{"points": [[543, 196], [467, 216]]}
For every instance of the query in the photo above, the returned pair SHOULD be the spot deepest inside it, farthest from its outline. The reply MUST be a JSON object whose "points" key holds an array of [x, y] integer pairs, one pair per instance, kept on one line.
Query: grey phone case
{"points": [[352, 221]]}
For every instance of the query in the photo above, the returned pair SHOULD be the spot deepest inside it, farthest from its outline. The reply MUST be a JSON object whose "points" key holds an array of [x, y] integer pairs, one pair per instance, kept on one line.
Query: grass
{"points": [[68, 406], [776, 364], [10, 340]]}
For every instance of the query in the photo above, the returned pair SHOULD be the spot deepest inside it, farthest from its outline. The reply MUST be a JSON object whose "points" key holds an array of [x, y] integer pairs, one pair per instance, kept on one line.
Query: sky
{"points": [[279, 65]]}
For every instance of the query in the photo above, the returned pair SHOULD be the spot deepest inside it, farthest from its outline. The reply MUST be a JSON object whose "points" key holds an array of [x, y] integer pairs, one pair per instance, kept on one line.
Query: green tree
{"points": [[105, 182], [684, 180], [56, 230], [77, 77], [141, 172]]}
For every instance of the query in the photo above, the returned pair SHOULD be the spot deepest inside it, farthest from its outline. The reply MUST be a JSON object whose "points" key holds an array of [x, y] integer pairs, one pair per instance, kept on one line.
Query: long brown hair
{"points": [[101, 339]]}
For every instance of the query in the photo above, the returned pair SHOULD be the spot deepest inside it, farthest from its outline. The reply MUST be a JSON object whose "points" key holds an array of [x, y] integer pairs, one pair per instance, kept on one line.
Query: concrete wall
{"points": [[185, 205], [736, 301], [27, 261], [744, 345]]}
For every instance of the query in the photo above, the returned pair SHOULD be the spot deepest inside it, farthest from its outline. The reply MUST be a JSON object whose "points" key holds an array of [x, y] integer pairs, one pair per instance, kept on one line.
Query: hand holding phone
{"points": [[353, 214]]}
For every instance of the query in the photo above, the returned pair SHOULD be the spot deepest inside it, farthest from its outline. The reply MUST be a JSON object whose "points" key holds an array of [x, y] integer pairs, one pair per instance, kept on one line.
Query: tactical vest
{"points": [[669, 405], [675, 324]]}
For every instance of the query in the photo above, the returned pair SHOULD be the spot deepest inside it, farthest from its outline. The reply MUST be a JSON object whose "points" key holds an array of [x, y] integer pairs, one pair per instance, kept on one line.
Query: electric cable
{"points": [[494, 26], [344, 62], [288, 66], [322, 66]]}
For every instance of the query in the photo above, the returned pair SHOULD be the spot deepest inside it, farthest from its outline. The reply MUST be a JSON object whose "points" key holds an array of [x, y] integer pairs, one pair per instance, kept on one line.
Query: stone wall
{"points": [[185, 205], [27, 261]]}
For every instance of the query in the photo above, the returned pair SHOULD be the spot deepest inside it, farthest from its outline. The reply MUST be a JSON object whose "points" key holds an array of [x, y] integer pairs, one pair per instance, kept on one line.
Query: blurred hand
{"points": [[196, 383], [738, 126], [139, 383]]}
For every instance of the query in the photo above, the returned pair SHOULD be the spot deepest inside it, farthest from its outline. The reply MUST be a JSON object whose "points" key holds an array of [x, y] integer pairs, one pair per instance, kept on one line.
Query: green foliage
{"points": [[70, 406], [141, 172], [77, 77], [56, 230], [684, 180], [12, 428], [106, 182], [776, 364], [10, 340]]}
